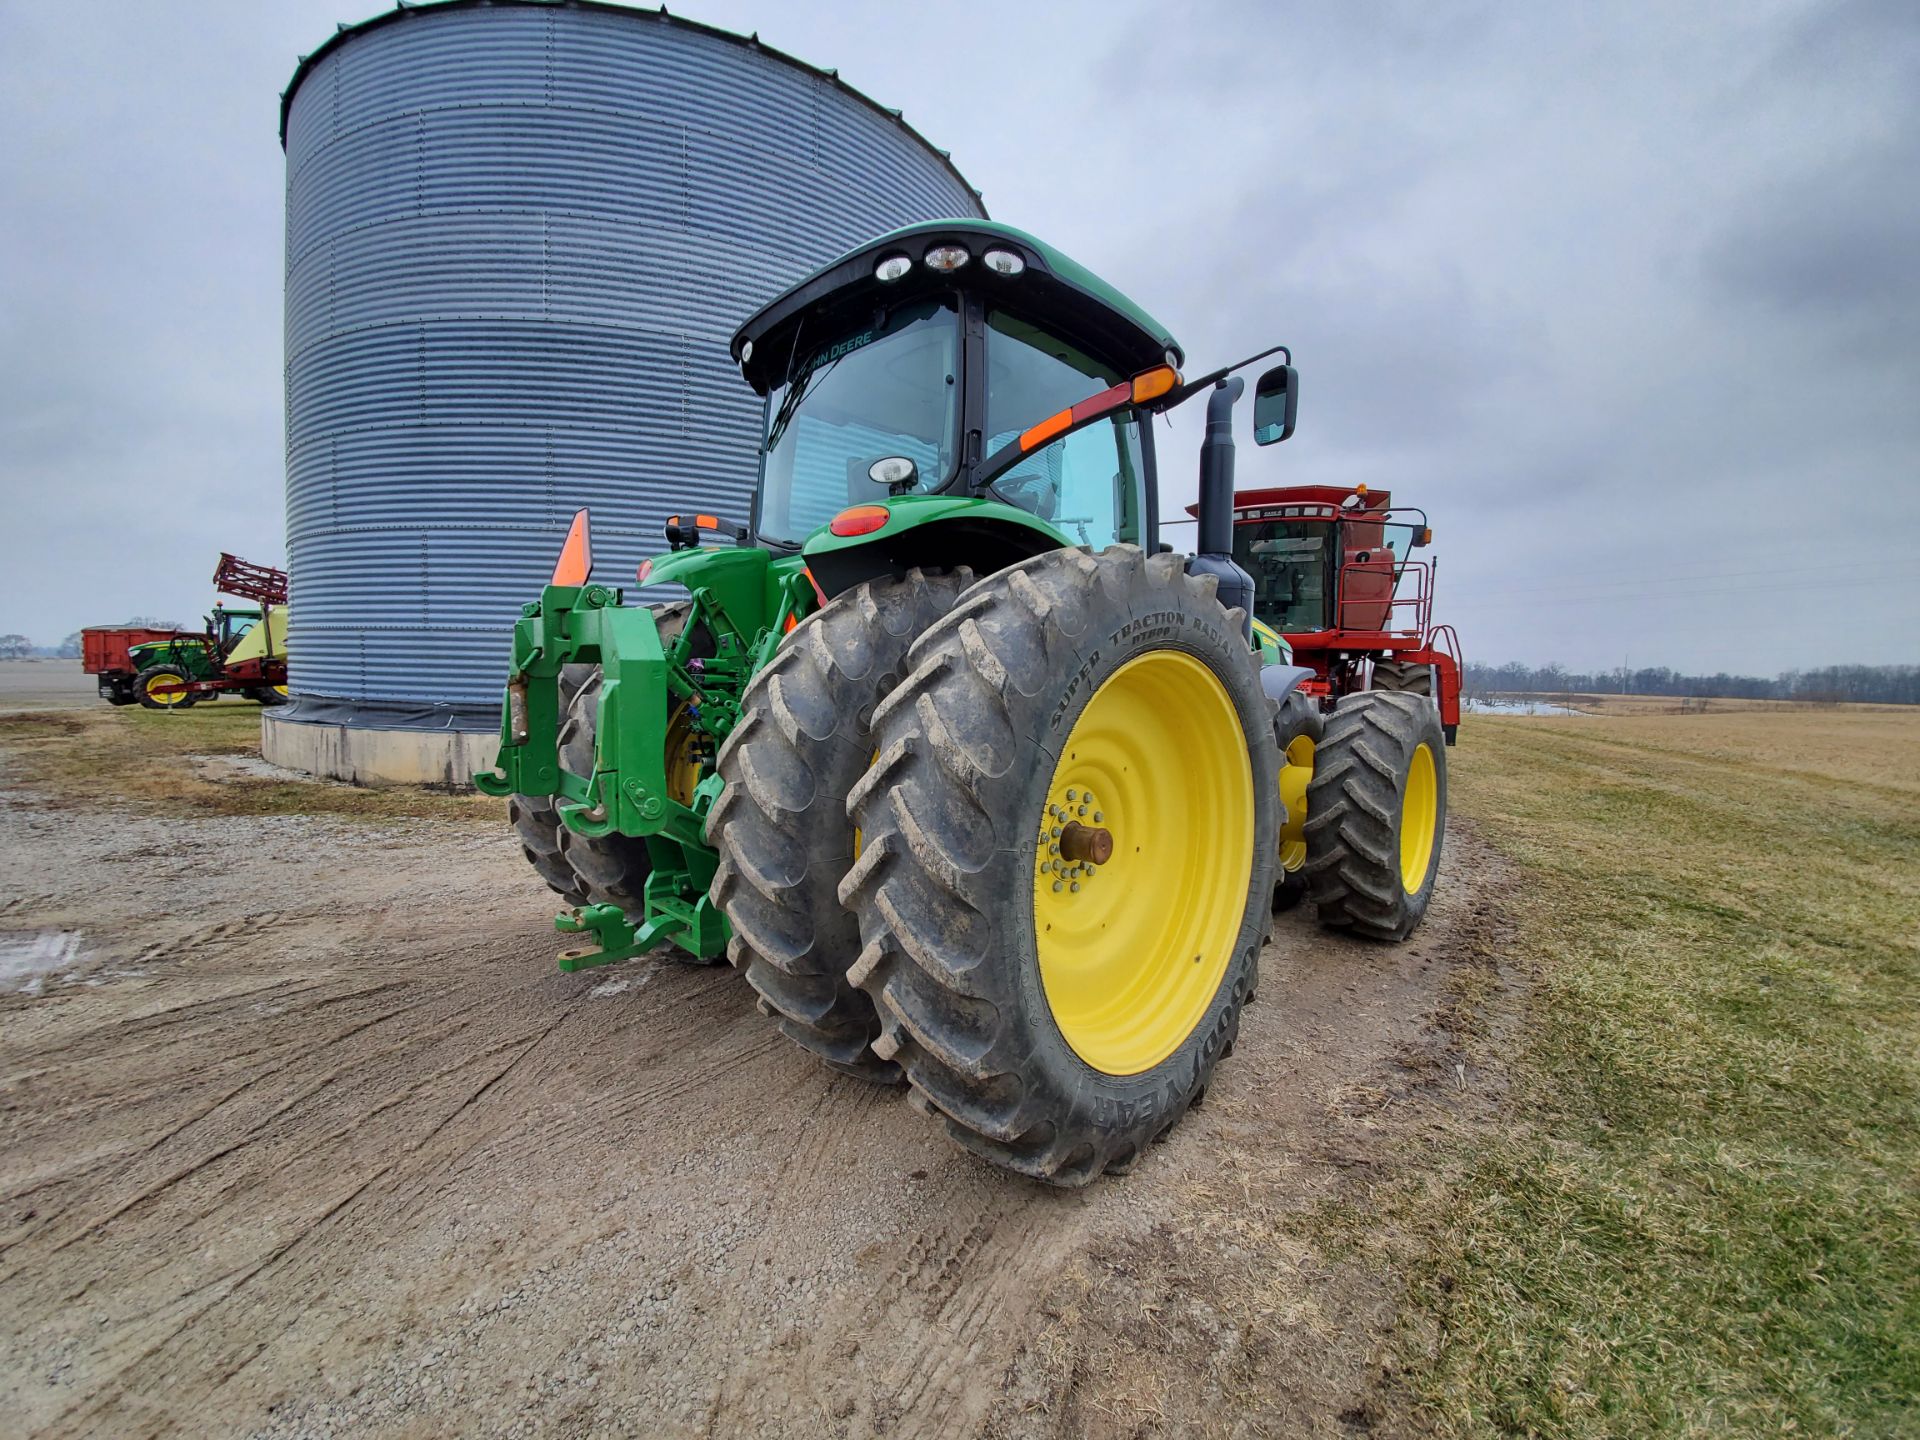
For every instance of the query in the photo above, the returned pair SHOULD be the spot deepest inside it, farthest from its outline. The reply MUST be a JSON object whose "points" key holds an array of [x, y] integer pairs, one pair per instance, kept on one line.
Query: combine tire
{"points": [[781, 824], [1070, 826], [1296, 732], [1402, 676], [143, 683], [1377, 813]]}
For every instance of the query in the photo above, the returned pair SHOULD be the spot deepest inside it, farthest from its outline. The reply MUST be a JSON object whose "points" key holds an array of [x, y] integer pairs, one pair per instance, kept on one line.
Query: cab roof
{"points": [[1053, 289]]}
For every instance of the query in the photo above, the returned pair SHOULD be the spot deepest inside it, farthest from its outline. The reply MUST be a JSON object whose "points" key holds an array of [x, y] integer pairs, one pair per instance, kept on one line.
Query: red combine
{"points": [[1333, 571]]}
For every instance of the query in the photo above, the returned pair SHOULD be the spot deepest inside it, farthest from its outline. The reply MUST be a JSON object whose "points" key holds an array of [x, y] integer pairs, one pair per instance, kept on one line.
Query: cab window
{"points": [[1089, 485]]}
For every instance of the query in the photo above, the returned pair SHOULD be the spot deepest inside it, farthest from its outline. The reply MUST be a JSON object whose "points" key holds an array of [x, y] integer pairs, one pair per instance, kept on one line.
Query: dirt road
{"points": [[301, 1133]]}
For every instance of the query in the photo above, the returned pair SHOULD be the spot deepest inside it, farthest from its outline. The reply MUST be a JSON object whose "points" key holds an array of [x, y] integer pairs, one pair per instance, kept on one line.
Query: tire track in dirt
{"points": [[387, 1169]]}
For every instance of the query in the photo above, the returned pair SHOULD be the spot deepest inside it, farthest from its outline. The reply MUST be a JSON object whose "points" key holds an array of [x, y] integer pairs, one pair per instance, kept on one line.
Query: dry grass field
{"points": [[1699, 1210]]}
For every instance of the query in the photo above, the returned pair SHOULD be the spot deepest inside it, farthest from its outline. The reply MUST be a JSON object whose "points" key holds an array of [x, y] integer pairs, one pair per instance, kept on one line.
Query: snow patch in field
{"points": [[1517, 707]]}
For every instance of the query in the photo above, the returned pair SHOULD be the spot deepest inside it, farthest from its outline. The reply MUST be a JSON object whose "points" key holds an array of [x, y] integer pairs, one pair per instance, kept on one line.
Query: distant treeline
{"points": [[1861, 684]]}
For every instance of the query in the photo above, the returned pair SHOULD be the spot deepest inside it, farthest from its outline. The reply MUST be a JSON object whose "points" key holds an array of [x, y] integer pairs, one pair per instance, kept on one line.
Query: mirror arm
{"points": [[1183, 393]]}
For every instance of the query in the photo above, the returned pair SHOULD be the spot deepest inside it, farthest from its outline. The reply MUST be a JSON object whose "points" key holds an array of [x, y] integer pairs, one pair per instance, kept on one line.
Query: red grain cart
{"points": [[105, 652]]}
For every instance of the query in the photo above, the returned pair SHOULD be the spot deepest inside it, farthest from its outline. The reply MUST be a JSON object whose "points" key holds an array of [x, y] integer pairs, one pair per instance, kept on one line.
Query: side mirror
{"points": [[1276, 400]]}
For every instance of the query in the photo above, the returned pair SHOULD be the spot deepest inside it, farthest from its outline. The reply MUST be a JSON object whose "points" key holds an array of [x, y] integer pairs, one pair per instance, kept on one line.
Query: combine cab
{"points": [[1333, 572]]}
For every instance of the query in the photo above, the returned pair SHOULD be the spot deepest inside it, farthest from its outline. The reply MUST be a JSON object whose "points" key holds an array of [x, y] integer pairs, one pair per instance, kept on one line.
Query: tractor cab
{"points": [[904, 376], [227, 627]]}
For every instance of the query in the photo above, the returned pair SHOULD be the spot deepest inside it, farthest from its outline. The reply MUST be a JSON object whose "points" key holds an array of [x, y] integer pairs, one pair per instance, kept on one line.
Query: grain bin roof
{"points": [[407, 9]]}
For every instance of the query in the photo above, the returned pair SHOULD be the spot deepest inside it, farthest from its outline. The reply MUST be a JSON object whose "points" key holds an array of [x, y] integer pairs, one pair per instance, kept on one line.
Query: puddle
{"points": [[27, 960]]}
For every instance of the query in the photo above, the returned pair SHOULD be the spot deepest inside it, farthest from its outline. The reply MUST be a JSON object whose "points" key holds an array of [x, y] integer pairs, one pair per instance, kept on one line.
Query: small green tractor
{"points": [[242, 649], [979, 783]]}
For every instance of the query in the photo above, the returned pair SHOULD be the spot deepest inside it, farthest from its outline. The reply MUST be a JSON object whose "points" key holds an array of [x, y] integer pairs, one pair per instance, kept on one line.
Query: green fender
{"points": [[933, 531]]}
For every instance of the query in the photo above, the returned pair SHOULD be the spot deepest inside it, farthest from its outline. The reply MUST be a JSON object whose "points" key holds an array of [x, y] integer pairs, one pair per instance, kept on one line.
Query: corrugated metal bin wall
{"points": [[518, 239]]}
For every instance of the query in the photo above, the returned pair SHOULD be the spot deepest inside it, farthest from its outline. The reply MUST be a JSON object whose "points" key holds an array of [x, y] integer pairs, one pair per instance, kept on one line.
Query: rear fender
{"points": [[732, 584], [934, 532]]}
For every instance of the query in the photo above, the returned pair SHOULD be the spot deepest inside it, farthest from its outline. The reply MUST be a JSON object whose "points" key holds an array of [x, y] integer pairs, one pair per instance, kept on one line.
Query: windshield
{"points": [[1288, 562], [889, 391], [1291, 562]]}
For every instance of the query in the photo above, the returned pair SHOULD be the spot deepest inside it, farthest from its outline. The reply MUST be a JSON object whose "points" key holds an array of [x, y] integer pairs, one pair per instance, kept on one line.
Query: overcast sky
{"points": [[1624, 295]]}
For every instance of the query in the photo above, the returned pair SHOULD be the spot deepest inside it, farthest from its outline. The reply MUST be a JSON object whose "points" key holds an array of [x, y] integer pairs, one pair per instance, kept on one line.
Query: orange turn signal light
{"points": [[1147, 385], [576, 556], [1035, 436], [1152, 384], [858, 520]]}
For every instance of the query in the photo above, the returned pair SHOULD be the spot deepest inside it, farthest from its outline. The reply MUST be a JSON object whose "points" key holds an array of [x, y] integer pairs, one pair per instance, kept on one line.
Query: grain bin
{"points": [[519, 235]]}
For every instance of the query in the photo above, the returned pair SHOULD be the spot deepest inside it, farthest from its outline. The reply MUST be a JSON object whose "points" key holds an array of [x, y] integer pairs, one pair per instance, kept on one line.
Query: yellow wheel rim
{"points": [[280, 690], [1132, 951], [1296, 771], [167, 698], [1419, 809], [683, 765]]}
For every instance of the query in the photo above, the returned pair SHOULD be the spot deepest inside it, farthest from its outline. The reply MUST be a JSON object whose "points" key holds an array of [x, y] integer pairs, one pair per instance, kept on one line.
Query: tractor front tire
{"points": [[781, 827], [144, 682], [1377, 813], [1059, 996], [537, 822]]}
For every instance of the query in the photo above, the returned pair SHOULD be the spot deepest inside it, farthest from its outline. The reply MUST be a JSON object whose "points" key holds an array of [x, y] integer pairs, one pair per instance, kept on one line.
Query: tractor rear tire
{"points": [[145, 679], [1297, 729], [781, 827], [1057, 1030], [1377, 813]]}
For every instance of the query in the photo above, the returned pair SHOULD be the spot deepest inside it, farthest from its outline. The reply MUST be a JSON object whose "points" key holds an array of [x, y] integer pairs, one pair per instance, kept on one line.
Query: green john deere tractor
{"points": [[976, 780]]}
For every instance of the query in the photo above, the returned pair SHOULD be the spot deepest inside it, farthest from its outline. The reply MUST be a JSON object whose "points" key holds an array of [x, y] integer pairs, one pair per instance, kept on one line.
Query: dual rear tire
{"points": [[781, 827], [1058, 1011]]}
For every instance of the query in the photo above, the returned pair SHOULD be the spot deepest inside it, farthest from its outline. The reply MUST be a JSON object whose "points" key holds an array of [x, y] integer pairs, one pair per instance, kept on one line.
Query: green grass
{"points": [[1699, 1210]]}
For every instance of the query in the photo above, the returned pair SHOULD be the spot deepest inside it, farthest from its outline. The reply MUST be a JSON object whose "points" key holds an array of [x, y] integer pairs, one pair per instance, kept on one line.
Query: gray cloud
{"points": [[1622, 295]]}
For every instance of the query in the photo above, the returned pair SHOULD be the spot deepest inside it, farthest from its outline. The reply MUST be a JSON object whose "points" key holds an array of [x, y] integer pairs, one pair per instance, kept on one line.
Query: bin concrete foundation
{"points": [[362, 755]]}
